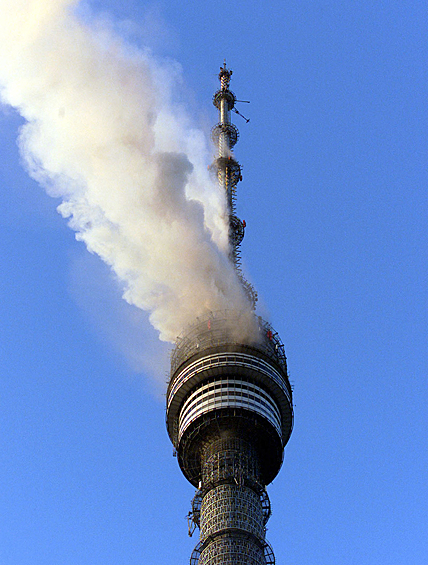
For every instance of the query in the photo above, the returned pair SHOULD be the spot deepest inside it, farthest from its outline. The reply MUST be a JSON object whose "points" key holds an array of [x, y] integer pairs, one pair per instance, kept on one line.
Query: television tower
{"points": [[229, 401]]}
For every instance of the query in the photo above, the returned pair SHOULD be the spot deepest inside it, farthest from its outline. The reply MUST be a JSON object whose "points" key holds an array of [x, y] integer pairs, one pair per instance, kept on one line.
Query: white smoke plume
{"points": [[103, 133]]}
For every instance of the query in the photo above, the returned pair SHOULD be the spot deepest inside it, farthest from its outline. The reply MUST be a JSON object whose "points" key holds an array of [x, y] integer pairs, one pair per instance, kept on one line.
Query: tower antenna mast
{"points": [[225, 136]]}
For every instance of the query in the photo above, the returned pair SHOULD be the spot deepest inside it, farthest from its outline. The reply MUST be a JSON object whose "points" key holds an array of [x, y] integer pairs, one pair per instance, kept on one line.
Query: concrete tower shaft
{"points": [[229, 403]]}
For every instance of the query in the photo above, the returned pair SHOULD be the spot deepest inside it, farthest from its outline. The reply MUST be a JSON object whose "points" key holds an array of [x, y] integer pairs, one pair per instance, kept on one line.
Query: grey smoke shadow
{"points": [[124, 328]]}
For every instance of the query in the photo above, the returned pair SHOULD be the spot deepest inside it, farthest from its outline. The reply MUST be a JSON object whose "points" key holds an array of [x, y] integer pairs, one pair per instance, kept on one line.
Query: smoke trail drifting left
{"points": [[103, 134]]}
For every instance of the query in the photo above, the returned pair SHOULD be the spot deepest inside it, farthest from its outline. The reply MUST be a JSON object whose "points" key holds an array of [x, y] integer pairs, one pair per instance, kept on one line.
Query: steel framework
{"points": [[229, 401]]}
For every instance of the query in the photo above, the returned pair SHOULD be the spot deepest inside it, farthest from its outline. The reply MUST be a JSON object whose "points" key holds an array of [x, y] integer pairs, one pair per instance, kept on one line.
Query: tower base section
{"points": [[232, 517]]}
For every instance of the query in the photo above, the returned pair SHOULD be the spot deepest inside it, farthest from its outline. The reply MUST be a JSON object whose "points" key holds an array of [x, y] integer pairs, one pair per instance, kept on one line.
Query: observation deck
{"points": [[221, 384]]}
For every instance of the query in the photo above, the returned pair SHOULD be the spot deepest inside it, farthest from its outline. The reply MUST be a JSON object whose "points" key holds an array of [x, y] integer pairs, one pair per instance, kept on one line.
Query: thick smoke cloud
{"points": [[102, 133]]}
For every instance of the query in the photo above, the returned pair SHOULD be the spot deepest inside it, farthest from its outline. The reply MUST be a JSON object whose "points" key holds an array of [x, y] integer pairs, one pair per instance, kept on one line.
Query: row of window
{"points": [[230, 384], [211, 402], [225, 393], [231, 392], [245, 388], [227, 360]]}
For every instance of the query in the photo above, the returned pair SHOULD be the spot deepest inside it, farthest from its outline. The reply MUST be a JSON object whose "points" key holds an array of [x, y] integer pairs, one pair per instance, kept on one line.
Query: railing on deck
{"points": [[216, 329]]}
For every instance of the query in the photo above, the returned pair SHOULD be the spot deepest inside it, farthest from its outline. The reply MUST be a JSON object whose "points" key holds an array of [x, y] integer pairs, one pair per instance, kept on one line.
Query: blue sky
{"points": [[334, 196]]}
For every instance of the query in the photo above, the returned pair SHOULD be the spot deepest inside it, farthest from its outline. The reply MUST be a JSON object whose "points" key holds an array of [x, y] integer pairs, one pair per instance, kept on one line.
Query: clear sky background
{"points": [[335, 198]]}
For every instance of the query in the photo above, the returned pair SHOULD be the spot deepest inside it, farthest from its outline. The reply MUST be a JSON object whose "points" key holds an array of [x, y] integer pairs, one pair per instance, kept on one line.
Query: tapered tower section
{"points": [[229, 401]]}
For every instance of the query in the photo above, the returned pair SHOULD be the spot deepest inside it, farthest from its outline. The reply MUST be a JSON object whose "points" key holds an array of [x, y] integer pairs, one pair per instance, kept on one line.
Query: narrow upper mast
{"points": [[225, 135]]}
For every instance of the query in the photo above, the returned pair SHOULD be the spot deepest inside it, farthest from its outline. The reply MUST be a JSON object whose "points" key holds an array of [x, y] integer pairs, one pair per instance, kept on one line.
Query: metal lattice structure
{"points": [[229, 401], [225, 135]]}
